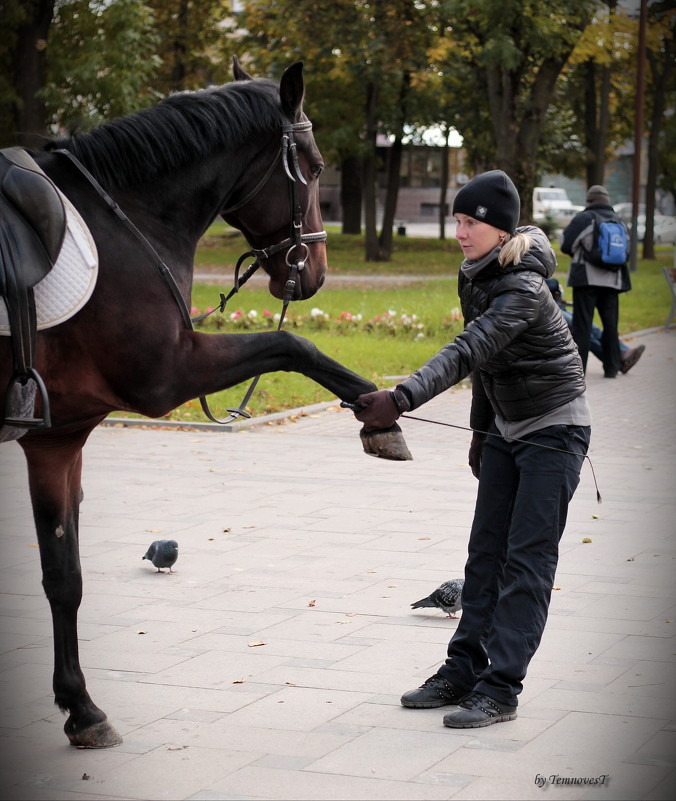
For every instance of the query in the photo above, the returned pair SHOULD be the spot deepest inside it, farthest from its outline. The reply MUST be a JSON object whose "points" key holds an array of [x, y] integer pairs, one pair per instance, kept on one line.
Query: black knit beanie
{"points": [[491, 198]]}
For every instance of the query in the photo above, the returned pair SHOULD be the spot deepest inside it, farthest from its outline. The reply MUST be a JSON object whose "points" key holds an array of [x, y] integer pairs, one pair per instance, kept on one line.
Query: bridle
{"points": [[296, 241], [295, 244]]}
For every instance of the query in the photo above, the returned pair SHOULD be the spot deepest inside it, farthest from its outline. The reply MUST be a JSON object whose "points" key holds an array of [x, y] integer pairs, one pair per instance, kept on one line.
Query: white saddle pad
{"points": [[70, 283]]}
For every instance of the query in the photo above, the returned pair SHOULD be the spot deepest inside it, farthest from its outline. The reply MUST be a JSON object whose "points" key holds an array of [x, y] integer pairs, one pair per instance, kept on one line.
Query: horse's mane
{"points": [[181, 129]]}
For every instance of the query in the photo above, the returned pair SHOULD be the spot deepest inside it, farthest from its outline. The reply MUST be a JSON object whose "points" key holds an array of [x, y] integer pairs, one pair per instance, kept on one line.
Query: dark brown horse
{"points": [[235, 151]]}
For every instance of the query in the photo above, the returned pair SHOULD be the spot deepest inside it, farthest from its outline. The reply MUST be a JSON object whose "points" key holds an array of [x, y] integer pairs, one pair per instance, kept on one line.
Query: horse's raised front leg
{"points": [[222, 361], [54, 474]]}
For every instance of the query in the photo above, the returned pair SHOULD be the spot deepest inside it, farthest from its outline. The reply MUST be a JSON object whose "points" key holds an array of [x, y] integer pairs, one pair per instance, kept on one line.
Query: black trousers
{"points": [[521, 510], [606, 300]]}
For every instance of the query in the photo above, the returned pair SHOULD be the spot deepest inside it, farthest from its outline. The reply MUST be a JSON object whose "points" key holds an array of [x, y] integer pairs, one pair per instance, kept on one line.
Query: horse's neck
{"points": [[177, 209]]}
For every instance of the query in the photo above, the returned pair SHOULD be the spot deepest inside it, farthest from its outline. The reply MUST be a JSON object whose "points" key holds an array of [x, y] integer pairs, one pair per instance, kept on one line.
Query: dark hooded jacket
{"points": [[516, 343]]}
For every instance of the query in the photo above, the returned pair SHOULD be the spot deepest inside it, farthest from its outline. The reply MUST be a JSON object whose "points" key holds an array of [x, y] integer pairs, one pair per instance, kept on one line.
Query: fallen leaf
{"points": [[385, 596], [225, 530], [86, 777], [141, 632], [556, 588], [424, 538], [211, 539], [595, 517], [257, 642], [239, 681], [586, 539], [312, 603], [153, 530], [291, 683]]}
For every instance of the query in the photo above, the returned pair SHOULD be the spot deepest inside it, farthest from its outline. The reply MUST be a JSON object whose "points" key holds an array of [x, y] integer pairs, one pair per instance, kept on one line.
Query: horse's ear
{"points": [[239, 72], [292, 89]]}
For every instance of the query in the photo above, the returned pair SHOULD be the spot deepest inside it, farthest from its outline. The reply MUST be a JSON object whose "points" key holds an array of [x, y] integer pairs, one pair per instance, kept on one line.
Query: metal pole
{"points": [[638, 136]]}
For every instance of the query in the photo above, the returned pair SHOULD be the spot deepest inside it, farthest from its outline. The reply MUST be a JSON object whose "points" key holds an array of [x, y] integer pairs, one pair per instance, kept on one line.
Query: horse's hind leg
{"points": [[54, 471]]}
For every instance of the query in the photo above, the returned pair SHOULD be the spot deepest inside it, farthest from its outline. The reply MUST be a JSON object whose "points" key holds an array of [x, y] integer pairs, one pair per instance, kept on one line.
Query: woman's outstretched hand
{"points": [[381, 409]]}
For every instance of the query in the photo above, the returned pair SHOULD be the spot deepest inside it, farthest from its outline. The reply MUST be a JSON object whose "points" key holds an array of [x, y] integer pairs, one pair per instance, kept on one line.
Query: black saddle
{"points": [[32, 228]]}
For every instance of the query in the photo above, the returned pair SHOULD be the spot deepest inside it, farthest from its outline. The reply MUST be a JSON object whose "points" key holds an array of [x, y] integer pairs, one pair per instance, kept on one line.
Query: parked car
{"points": [[553, 203], [625, 210], [665, 230]]}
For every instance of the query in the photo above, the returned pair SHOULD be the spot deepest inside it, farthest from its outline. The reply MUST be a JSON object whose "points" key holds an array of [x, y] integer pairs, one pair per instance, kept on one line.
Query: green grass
{"points": [[380, 346]]}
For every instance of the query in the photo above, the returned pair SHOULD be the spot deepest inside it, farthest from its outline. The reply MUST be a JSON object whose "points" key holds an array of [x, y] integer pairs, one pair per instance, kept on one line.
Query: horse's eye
{"points": [[317, 170]]}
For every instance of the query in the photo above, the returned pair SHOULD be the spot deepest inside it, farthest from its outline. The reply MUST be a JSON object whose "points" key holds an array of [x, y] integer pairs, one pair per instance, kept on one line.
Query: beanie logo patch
{"points": [[481, 212]]}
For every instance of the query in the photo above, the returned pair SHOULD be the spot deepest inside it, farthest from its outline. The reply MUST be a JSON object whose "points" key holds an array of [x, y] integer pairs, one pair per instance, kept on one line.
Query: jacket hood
{"points": [[541, 257]]}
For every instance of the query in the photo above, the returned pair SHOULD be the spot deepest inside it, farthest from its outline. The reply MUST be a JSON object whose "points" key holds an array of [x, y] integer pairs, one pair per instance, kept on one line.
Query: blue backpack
{"points": [[610, 243]]}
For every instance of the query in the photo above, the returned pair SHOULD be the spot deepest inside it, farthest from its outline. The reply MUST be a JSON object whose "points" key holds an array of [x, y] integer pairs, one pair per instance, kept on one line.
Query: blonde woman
{"points": [[531, 425]]}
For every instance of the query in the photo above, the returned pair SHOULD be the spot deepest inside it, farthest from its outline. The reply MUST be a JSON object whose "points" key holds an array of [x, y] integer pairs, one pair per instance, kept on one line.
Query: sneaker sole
{"points": [[482, 723], [428, 704]]}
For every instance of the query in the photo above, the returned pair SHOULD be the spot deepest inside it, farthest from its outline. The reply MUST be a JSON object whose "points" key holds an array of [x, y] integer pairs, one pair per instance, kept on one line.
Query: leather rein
{"points": [[295, 244]]}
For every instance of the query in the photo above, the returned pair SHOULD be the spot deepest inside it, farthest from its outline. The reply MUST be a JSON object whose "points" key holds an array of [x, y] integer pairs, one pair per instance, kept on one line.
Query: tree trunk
{"points": [[372, 248], [178, 67], [391, 195], [350, 194], [28, 118], [444, 186], [590, 129], [661, 82]]}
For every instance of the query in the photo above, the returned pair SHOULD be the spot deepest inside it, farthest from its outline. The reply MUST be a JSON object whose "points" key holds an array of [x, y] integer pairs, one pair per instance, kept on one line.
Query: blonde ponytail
{"points": [[514, 248]]}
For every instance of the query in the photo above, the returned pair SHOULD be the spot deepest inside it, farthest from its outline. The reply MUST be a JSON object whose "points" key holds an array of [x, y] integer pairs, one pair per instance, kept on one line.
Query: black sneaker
{"points": [[435, 692], [478, 710]]}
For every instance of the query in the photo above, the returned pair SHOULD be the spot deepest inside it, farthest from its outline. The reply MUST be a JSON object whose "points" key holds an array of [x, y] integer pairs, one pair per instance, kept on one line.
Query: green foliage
{"points": [[101, 61]]}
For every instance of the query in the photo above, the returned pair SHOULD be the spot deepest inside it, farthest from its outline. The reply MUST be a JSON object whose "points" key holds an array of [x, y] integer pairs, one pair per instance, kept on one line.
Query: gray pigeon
{"points": [[162, 553], [447, 597]]}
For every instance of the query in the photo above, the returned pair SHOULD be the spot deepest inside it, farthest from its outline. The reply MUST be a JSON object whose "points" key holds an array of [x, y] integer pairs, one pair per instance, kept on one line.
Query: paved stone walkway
{"points": [[270, 665]]}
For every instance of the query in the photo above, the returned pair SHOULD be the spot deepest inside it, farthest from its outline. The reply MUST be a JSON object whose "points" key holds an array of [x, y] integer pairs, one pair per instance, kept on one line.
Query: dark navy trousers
{"points": [[606, 300], [521, 510]]}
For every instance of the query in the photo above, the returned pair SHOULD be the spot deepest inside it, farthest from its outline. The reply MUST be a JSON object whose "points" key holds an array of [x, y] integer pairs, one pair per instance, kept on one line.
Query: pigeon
{"points": [[447, 597], [162, 553]]}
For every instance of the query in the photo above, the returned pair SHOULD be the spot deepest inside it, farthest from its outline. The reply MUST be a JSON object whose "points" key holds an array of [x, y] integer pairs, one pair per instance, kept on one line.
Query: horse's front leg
{"points": [[54, 473], [230, 359]]}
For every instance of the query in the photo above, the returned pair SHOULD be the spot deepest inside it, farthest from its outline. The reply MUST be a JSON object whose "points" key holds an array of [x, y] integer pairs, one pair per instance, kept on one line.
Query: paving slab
{"points": [[270, 665]]}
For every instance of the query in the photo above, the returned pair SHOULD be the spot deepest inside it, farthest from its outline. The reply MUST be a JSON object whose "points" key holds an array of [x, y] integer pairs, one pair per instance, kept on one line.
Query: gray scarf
{"points": [[472, 267]]}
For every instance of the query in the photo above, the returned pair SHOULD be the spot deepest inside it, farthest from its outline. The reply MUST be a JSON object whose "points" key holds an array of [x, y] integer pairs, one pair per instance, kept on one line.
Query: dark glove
{"points": [[382, 408], [475, 451]]}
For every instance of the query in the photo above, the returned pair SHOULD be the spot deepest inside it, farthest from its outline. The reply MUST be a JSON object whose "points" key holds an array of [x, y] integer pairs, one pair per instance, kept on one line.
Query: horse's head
{"points": [[280, 213]]}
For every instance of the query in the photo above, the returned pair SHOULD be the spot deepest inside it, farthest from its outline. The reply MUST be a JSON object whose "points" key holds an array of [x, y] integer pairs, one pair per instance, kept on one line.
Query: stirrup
{"points": [[22, 378]]}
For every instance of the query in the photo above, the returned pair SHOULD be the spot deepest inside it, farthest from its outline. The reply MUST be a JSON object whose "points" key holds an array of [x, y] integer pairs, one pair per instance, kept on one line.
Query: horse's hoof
{"points": [[386, 443], [99, 735]]}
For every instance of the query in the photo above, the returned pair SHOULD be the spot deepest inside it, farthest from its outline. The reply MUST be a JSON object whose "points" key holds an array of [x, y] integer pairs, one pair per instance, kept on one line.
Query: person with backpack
{"points": [[597, 240], [628, 356]]}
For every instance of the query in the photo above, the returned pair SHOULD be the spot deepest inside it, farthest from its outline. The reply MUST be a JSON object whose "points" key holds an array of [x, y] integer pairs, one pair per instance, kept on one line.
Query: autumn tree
{"points": [[512, 54]]}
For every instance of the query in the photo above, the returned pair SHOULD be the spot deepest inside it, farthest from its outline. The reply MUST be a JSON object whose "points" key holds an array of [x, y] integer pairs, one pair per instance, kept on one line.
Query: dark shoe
{"points": [[435, 692], [610, 375], [478, 710], [630, 358]]}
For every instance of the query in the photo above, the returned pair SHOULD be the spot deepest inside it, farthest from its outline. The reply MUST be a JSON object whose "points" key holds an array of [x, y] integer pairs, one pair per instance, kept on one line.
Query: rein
{"points": [[296, 241], [355, 408]]}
